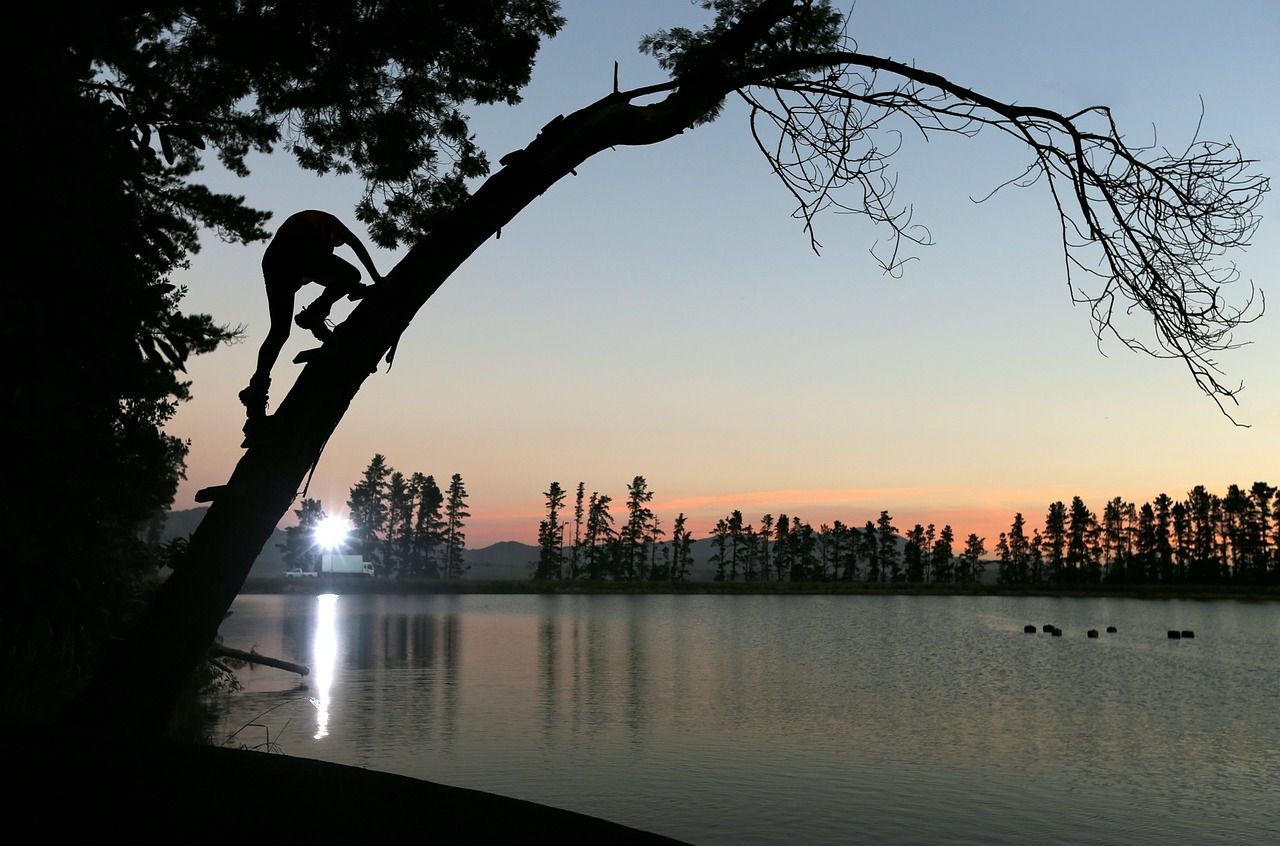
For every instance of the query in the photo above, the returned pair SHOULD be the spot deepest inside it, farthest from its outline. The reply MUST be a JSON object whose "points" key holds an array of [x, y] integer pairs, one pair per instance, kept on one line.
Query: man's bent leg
{"points": [[343, 277], [340, 280]]}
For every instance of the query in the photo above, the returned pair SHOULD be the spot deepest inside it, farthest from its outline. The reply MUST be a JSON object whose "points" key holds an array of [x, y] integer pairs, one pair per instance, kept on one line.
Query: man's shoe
{"points": [[360, 292], [315, 323], [254, 400]]}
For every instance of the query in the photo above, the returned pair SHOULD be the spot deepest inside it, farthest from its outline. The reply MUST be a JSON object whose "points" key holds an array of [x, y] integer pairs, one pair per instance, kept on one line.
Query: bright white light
{"points": [[331, 532], [326, 659]]}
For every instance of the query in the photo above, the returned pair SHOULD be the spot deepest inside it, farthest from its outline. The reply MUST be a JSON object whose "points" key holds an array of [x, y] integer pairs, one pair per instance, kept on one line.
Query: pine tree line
{"points": [[599, 550], [790, 549], [1204, 539], [405, 526], [779, 550]]}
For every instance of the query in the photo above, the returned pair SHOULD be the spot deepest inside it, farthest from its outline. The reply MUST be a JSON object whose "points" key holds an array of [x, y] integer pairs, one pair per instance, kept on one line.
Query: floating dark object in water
{"points": [[1174, 634], [1057, 632], [1093, 632], [1048, 627], [1111, 629], [1186, 633], [1029, 629]]}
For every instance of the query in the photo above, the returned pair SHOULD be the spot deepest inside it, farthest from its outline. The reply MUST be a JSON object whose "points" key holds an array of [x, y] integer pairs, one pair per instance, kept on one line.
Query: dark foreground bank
{"points": [[99, 787]]}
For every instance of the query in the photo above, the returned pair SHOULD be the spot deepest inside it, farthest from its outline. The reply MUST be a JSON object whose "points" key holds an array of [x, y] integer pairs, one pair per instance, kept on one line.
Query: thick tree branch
{"points": [[136, 691]]}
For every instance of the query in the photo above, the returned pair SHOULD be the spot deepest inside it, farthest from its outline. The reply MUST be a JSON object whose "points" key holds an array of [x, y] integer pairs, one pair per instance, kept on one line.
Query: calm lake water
{"points": [[797, 719]]}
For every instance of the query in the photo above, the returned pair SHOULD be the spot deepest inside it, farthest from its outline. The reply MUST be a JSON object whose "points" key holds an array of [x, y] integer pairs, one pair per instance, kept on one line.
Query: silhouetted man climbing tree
{"points": [[1150, 226], [302, 252]]}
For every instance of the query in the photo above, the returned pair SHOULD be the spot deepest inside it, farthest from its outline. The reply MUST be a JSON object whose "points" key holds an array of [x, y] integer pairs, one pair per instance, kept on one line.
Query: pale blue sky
{"points": [[661, 314]]}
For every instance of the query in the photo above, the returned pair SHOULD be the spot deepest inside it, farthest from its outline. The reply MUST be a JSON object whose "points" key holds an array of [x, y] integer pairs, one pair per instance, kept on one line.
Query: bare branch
{"points": [[1144, 228]]}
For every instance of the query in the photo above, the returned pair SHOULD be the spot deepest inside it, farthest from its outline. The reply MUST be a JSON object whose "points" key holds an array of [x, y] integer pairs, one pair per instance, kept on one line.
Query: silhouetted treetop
{"points": [[375, 89]]}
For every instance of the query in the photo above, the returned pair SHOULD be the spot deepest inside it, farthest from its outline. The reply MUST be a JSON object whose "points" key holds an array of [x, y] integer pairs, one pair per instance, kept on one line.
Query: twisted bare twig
{"points": [[1152, 227]]}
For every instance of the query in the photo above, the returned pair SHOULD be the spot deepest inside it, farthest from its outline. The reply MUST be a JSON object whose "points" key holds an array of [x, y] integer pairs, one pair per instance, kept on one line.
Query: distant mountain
{"points": [[502, 560], [514, 560], [180, 524], [505, 560]]}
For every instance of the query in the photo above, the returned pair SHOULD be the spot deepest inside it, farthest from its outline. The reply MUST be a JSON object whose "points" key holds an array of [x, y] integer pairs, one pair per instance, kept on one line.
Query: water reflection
{"points": [[591, 672], [400, 661], [753, 720], [325, 650], [548, 637]]}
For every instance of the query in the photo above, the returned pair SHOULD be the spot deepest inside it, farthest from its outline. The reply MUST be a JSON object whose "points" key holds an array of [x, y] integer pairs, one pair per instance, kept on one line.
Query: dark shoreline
{"points": [[95, 786], [355, 584]]}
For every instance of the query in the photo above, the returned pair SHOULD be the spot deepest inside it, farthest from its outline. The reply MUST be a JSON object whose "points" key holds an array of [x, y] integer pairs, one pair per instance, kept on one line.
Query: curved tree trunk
{"points": [[139, 683]]}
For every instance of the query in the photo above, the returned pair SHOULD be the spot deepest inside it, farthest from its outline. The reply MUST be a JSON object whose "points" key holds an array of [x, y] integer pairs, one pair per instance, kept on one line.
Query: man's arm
{"points": [[357, 246]]}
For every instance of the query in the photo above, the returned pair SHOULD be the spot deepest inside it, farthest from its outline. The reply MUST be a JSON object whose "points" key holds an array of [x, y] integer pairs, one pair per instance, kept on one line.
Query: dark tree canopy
{"points": [[375, 89], [119, 106], [1155, 227]]}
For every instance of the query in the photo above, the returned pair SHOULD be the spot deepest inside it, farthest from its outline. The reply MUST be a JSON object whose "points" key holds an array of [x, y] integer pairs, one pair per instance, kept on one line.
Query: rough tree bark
{"points": [[134, 693]]}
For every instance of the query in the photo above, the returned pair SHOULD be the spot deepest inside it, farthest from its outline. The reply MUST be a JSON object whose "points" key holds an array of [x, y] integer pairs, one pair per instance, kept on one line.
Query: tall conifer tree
{"points": [[455, 540]]}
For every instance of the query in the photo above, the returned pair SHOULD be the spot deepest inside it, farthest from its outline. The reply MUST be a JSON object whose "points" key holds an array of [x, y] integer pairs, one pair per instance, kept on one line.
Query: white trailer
{"points": [[345, 565]]}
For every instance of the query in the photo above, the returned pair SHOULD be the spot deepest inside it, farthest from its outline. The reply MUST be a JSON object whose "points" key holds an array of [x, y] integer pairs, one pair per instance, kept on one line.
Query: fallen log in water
{"points": [[255, 658]]}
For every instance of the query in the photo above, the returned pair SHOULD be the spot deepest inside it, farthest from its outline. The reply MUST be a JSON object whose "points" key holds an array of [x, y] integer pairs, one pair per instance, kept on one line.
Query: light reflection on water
{"points": [[799, 719], [324, 652]]}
